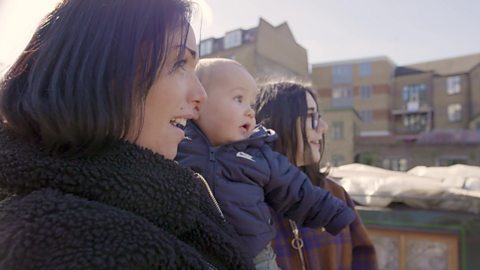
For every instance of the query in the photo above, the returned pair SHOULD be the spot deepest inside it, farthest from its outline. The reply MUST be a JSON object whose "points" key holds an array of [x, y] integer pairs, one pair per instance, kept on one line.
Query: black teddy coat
{"points": [[126, 208]]}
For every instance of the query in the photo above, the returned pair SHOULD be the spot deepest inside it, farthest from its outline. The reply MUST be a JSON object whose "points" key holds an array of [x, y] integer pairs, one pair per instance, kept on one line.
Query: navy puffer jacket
{"points": [[247, 177]]}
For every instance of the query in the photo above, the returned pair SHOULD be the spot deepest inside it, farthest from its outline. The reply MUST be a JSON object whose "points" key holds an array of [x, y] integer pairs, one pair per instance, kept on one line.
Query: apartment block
{"points": [[343, 129], [474, 123], [266, 51], [421, 114], [355, 94]]}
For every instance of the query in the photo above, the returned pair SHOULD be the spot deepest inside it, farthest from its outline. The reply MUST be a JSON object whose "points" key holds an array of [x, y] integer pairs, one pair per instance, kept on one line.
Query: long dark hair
{"points": [[85, 74], [278, 107]]}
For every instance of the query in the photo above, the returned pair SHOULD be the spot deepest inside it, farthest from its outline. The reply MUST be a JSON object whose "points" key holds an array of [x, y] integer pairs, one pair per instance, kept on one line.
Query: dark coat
{"points": [[350, 249], [126, 208], [248, 176]]}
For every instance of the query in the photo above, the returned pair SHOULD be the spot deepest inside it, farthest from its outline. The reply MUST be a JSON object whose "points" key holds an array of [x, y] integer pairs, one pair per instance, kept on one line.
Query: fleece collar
{"points": [[125, 176]]}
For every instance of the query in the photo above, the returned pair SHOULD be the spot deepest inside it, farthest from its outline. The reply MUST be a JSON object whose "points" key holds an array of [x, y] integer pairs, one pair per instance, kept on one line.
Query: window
{"points": [[399, 164], [414, 95], [419, 248], [386, 164], [415, 122], [451, 160], [395, 164], [341, 92], [206, 47], [366, 116], [232, 39], [454, 112], [365, 69], [365, 92], [342, 97], [249, 37], [337, 130], [367, 158], [338, 160], [453, 85], [342, 74]]}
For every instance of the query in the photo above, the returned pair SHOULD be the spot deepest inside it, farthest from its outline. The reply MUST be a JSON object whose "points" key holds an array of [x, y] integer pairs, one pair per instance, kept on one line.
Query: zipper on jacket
{"points": [[210, 174], [210, 194]]}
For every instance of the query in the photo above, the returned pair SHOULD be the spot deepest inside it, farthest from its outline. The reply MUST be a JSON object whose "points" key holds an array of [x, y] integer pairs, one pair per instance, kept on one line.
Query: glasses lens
{"points": [[314, 116]]}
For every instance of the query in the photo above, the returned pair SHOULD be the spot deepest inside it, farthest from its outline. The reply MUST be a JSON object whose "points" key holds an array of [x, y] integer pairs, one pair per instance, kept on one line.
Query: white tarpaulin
{"points": [[455, 188], [460, 176]]}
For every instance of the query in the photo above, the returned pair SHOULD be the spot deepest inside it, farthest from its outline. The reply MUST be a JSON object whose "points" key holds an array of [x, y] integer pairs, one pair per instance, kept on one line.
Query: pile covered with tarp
{"points": [[454, 188]]}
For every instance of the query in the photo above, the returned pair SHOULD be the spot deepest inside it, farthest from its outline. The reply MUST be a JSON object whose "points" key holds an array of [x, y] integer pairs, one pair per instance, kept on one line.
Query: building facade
{"points": [[355, 98], [422, 114], [266, 51]]}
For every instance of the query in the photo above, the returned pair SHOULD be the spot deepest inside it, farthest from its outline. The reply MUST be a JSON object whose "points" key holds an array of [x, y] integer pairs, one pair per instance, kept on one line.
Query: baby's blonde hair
{"points": [[206, 69]]}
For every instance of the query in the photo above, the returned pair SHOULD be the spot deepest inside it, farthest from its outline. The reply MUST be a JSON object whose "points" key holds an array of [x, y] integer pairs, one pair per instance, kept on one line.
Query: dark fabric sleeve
{"points": [[364, 256], [292, 194]]}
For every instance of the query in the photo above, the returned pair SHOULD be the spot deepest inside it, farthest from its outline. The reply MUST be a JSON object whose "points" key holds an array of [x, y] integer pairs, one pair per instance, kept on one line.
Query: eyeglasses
{"points": [[315, 118]]}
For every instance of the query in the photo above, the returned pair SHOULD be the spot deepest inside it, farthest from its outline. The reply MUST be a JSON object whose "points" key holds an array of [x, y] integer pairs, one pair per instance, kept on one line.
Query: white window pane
{"points": [[453, 85], [232, 39]]}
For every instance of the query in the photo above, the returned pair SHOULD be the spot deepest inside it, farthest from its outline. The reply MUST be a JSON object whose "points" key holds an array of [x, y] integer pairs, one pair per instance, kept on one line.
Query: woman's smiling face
{"points": [[174, 97], [310, 152]]}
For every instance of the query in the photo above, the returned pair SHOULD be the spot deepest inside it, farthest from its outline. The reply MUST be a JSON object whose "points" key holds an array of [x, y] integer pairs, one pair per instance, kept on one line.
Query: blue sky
{"points": [[407, 31]]}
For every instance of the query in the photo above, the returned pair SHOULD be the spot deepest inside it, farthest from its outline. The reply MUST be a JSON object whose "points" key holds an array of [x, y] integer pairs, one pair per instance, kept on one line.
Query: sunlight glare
{"points": [[18, 21], [202, 17]]}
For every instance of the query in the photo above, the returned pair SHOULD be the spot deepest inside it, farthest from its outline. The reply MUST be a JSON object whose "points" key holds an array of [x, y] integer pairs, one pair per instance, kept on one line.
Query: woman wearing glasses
{"points": [[291, 110]]}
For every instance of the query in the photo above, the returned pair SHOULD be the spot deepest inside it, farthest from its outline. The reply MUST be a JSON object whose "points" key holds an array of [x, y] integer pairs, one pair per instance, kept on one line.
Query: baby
{"points": [[246, 176]]}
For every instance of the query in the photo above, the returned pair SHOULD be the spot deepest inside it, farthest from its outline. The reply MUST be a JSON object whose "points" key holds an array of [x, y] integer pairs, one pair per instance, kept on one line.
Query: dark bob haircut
{"points": [[278, 107], [87, 70]]}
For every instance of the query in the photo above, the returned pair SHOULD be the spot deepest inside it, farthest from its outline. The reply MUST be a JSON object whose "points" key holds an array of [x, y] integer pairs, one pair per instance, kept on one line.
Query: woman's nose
{"points": [[322, 126], [197, 96], [198, 93]]}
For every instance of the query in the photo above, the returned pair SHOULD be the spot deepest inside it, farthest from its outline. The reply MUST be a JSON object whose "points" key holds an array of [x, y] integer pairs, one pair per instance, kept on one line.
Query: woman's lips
{"points": [[316, 143]]}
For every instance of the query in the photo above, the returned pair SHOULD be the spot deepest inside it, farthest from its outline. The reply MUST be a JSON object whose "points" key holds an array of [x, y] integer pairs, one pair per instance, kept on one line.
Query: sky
{"points": [[406, 31]]}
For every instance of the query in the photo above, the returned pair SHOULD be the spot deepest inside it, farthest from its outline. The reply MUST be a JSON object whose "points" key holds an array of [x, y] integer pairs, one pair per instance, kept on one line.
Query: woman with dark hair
{"points": [[92, 113], [291, 110]]}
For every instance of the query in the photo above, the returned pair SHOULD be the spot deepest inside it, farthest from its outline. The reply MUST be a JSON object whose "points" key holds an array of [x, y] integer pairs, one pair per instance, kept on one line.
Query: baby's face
{"points": [[228, 114]]}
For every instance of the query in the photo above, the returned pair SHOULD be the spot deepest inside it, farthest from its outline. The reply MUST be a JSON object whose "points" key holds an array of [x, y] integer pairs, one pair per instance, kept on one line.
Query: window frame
{"points": [[365, 69], [337, 130], [454, 85], [366, 92], [232, 39], [206, 47], [455, 112]]}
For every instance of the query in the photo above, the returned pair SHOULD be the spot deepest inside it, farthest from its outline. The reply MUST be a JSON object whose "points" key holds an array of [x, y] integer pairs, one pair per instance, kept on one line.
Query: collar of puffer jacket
{"points": [[259, 137]]}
